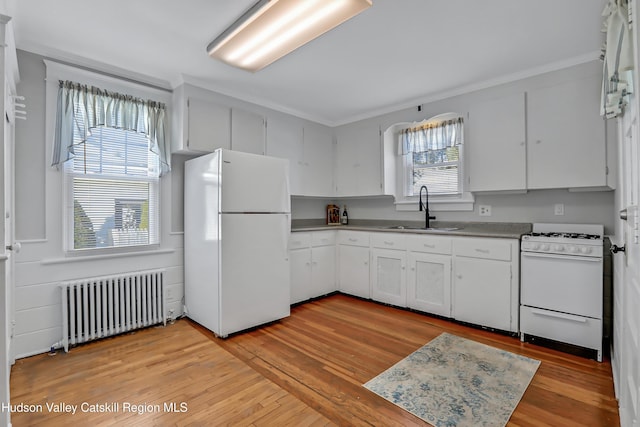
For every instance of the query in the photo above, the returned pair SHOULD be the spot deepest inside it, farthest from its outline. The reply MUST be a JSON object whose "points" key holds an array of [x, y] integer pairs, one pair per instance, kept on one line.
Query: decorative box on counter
{"points": [[333, 215]]}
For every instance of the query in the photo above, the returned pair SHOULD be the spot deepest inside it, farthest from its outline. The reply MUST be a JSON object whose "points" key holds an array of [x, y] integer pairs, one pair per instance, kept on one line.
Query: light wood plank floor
{"points": [[305, 370]]}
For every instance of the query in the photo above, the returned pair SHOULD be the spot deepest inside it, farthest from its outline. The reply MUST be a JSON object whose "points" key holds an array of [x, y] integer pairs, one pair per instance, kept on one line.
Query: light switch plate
{"points": [[558, 209]]}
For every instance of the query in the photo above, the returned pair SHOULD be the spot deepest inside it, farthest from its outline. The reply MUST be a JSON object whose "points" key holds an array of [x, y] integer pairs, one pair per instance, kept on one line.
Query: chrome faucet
{"points": [[425, 205]]}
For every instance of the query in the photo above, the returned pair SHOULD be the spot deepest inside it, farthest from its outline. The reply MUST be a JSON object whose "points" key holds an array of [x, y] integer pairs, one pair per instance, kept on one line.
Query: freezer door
{"points": [[254, 183], [254, 285]]}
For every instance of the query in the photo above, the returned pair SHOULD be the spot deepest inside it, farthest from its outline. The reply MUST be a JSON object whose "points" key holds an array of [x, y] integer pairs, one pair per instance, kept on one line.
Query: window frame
{"points": [[462, 201], [63, 185]]}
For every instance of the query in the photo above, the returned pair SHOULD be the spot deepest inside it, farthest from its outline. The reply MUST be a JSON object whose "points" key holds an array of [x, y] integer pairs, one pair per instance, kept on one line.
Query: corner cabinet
{"points": [[359, 160], [486, 282], [309, 150], [313, 264], [199, 125]]}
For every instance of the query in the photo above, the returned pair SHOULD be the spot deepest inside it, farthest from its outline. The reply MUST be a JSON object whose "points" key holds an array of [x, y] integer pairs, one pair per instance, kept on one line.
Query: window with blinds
{"points": [[432, 154], [113, 188]]}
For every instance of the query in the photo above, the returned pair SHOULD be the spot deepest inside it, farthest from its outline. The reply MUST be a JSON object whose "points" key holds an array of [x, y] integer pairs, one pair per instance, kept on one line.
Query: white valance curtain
{"points": [[431, 137], [82, 108], [617, 55]]}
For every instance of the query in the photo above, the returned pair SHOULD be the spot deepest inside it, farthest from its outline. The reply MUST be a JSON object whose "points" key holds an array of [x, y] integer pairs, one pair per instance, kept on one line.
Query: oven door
{"points": [[564, 283]]}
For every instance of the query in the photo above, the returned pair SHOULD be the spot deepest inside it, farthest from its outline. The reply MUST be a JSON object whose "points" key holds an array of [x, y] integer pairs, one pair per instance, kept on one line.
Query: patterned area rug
{"points": [[453, 381]]}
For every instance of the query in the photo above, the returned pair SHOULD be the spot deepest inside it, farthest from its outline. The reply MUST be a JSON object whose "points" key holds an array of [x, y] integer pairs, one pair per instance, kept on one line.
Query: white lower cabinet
{"points": [[388, 278], [353, 273], [429, 283], [485, 282], [313, 264]]}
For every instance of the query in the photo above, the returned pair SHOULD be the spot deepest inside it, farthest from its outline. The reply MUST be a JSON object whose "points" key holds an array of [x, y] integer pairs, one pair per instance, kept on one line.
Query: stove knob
{"points": [[534, 246], [586, 250], [573, 249], [545, 247], [559, 248]]}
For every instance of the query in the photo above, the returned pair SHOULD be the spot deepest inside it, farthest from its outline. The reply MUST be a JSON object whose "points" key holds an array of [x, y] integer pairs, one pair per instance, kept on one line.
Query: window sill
{"points": [[438, 203], [82, 258]]}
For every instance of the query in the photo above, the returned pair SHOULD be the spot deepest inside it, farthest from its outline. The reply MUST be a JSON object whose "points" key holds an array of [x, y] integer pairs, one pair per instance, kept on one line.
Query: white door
{"points": [[429, 283], [353, 272], [388, 278], [247, 132], [323, 270], [300, 274], [482, 292], [626, 294], [253, 183], [254, 270]]}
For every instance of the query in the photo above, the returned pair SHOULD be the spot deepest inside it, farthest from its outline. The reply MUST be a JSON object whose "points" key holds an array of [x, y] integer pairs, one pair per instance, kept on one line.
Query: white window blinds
{"points": [[432, 157]]}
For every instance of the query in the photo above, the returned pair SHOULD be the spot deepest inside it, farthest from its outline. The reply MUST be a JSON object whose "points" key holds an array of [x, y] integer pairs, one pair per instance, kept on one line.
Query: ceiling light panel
{"points": [[273, 28]]}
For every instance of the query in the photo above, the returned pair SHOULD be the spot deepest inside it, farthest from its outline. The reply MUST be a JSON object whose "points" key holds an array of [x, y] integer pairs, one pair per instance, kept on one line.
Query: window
{"points": [[112, 165], [432, 155]]}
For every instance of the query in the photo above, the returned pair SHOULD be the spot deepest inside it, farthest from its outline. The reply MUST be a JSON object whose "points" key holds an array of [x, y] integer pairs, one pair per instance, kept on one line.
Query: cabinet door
{"points": [[318, 161], [300, 260], [284, 140], [495, 145], [429, 283], [247, 131], [358, 160], [353, 273], [566, 136], [482, 292], [323, 270], [208, 126], [388, 278]]}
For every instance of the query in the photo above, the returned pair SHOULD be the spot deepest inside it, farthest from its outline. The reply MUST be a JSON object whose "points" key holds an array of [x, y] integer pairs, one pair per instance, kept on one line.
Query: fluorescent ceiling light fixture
{"points": [[270, 29]]}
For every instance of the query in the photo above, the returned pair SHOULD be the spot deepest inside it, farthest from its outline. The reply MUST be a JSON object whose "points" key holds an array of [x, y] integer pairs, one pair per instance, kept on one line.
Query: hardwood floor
{"points": [[307, 369]]}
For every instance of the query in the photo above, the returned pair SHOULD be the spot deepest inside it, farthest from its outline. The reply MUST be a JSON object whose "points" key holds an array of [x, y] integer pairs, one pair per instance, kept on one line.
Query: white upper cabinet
{"points": [[199, 125], [284, 140], [495, 143], [318, 161], [566, 135], [359, 160], [248, 131], [310, 152]]}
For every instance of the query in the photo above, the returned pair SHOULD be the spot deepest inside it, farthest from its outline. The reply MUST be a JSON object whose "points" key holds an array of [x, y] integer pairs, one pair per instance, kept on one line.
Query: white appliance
{"points": [[562, 285], [236, 232]]}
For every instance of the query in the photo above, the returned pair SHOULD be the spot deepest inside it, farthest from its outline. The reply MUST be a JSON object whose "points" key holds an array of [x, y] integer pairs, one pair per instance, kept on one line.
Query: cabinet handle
{"points": [[325, 240], [413, 269], [352, 240], [297, 242], [483, 251], [366, 263], [538, 141], [459, 276], [559, 315], [307, 263], [429, 246], [388, 243], [403, 267]]}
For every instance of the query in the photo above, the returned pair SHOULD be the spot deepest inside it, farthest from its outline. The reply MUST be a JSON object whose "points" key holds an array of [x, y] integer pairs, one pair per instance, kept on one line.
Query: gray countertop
{"points": [[508, 230]]}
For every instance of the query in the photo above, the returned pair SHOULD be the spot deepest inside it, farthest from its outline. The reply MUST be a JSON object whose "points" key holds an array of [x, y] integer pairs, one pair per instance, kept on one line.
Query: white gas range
{"points": [[562, 285]]}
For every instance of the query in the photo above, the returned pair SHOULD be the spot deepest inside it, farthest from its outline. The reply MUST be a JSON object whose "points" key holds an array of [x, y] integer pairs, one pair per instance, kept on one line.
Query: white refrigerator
{"points": [[236, 231]]}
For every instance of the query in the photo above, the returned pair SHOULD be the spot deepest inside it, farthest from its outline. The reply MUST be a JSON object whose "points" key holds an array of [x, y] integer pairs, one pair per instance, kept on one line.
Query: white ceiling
{"points": [[396, 54]]}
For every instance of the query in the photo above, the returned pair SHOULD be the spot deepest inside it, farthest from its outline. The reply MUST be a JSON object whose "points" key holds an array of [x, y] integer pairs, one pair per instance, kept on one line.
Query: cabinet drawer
{"points": [[299, 240], [389, 241], [428, 244], [483, 248], [568, 328], [323, 238], [353, 238]]}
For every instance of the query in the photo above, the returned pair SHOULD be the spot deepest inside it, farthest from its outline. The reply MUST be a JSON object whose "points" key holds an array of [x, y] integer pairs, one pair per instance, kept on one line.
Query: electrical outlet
{"points": [[485, 210], [558, 209]]}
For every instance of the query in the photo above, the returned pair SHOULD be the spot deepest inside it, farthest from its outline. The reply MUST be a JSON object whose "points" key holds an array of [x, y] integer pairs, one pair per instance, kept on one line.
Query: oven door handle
{"points": [[559, 256]]}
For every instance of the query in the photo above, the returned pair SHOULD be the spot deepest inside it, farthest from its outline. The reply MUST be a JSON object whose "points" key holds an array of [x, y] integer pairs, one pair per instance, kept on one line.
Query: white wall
{"points": [[42, 265]]}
